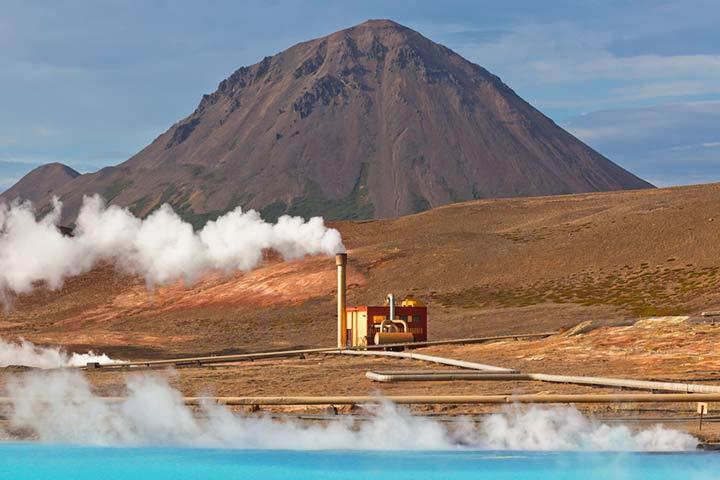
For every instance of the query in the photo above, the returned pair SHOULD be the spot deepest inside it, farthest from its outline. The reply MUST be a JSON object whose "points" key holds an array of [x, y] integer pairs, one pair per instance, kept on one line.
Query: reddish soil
{"points": [[484, 268]]}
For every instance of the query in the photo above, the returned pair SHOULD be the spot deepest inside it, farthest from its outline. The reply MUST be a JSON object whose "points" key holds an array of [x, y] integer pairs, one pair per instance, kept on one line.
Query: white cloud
{"points": [[103, 79], [667, 144], [673, 88], [543, 57], [671, 124], [600, 64], [698, 145]]}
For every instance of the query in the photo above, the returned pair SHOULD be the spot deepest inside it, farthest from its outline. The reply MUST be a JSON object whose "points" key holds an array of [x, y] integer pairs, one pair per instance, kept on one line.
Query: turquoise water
{"points": [[33, 461]]}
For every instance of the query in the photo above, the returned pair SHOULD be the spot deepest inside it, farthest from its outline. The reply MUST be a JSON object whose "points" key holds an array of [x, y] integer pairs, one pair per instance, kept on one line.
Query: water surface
{"points": [[35, 461]]}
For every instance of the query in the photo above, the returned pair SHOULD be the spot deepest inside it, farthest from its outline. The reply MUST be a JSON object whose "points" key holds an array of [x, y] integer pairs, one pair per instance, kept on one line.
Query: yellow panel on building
{"points": [[357, 327]]}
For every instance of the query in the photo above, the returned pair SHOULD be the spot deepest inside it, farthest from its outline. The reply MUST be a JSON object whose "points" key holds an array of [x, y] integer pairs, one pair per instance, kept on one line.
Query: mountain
{"points": [[369, 122], [40, 182]]}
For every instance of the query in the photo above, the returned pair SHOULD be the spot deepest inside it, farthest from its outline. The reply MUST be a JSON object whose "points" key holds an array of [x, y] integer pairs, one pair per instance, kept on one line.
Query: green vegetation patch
{"points": [[197, 170], [356, 205], [198, 220], [139, 205], [419, 203], [167, 194], [273, 211], [44, 210], [115, 188], [180, 203]]}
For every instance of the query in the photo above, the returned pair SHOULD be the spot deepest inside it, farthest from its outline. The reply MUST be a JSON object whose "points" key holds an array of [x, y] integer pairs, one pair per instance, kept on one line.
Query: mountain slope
{"points": [[40, 182], [372, 121], [485, 267]]}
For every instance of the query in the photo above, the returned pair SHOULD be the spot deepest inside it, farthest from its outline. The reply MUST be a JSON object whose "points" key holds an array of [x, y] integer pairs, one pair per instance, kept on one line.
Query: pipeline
{"points": [[435, 399], [578, 380], [541, 377], [627, 383], [430, 377], [449, 418], [240, 357], [429, 358], [391, 377], [434, 372], [390, 322], [391, 305]]}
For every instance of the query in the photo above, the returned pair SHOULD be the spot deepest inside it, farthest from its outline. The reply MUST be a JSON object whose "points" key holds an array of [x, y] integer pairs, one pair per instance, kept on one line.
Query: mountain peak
{"points": [[371, 121], [378, 23], [40, 182]]}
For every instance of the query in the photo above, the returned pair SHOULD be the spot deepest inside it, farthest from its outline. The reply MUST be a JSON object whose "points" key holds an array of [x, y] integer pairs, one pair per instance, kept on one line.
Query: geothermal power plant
{"points": [[362, 255], [393, 331], [360, 326]]}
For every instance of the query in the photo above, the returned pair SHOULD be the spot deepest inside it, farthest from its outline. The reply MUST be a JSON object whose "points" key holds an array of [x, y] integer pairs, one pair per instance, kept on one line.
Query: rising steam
{"points": [[26, 354], [162, 248], [60, 406]]}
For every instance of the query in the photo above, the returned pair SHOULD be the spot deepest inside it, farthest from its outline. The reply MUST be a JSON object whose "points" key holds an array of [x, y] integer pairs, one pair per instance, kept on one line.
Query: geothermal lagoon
{"points": [[37, 461]]}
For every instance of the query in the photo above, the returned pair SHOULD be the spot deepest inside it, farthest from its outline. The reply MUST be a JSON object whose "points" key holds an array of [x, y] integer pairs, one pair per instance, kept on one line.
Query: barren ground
{"points": [[484, 268]]}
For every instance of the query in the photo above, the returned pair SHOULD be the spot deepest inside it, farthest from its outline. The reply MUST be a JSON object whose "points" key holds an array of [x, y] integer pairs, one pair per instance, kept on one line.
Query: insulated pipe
{"points": [[437, 399], [627, 383], [389, 325], [403, 323], [463, 399], [429, 358], [434, 377], [390, 321], [391, 303], [542, 377], [341, 262], [434, 372], [240, 357], [390, 338]]}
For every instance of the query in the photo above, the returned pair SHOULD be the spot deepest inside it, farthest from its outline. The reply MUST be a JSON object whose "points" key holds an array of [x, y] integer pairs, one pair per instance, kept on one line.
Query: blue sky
{"points": [[89, 83]]}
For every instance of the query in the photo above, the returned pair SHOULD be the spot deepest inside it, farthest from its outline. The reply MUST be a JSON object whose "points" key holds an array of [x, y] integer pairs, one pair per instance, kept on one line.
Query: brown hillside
{"points": [[370, 122], [485, 267], [39, 184]]}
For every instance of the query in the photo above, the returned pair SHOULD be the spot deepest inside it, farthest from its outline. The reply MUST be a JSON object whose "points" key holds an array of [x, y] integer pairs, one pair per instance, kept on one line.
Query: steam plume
{"points": [[59, 406], [162, 248], [27, 354]]}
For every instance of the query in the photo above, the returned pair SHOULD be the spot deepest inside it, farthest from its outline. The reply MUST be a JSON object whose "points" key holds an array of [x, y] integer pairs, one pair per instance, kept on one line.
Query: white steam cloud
{"points": [[161, 248], [61, 407], [565, 428], [27, 354]]}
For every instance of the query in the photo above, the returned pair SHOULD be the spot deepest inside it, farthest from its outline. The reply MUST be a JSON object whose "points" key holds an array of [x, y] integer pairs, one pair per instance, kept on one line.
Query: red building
{"points": [[364, 322]]}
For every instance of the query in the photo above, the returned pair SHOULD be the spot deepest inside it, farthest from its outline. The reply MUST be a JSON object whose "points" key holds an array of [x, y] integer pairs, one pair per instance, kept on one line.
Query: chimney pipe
{"points": [[391, 304], [341, 262]]}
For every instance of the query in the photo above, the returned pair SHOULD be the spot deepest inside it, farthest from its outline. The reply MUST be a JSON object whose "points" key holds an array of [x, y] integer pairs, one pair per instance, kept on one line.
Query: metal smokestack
{"points": [[391, 304], [341, 262]]}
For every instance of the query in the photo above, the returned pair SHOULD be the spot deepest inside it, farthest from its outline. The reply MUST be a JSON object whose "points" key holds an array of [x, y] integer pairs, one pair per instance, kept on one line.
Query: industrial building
{"points": [[365, 325], [378, 325]]}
